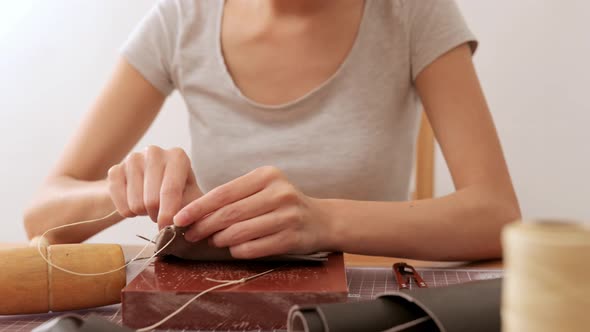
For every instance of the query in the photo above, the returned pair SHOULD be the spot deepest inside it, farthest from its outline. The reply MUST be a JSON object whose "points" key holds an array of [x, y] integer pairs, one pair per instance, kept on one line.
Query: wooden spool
{"points": [[29, 285]]}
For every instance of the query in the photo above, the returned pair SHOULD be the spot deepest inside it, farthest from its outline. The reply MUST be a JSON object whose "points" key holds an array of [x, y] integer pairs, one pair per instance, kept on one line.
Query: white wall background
{"points": [[533, 62]]}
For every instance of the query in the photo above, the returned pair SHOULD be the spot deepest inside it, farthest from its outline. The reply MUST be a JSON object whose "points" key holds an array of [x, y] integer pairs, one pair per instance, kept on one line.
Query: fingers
{"points": [[192, 191], [118, 191], [154, 171], [258, 204], [175, 178], [226, 194], [248, 230], [154, 183], [134, 175], [275, 244], [256, 215]]}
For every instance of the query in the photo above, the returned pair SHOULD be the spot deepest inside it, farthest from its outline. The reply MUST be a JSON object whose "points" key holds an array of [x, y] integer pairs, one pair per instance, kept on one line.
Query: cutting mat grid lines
{"points": [[363, 283], [367, 283]]}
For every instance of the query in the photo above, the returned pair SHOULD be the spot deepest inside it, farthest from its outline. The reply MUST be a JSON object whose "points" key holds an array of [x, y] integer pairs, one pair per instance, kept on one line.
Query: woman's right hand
{"points": [[156, 182]]}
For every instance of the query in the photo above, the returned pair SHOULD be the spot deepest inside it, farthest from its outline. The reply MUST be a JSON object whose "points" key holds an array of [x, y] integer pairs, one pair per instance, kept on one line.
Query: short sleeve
{"points": [[435, 27], [151, 46]]}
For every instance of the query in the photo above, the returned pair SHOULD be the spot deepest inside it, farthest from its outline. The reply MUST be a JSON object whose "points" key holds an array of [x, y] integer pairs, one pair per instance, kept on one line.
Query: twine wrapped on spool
{"points": [[547, 277], [28, 284]]}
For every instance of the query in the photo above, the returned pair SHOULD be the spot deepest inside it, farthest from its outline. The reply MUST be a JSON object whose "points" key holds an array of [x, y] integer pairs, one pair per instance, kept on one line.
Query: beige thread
{"points": [[42, 238], [547, 279], [224, 283]]}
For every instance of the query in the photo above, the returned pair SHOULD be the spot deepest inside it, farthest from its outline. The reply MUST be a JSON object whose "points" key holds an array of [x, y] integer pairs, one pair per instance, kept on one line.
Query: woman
{"points": [[302, 117]]}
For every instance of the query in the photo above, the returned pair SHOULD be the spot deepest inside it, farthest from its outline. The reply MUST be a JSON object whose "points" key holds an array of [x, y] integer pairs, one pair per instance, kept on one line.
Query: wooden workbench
{"points": [[360, 270]]}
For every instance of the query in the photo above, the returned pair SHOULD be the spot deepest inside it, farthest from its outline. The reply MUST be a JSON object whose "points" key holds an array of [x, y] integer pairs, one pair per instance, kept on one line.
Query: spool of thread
{"points": [[29, 285], [547, 277]]}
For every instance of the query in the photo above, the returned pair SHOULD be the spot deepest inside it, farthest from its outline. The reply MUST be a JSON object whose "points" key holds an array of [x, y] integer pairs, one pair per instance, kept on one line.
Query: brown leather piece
{"points": [[202, 251]]}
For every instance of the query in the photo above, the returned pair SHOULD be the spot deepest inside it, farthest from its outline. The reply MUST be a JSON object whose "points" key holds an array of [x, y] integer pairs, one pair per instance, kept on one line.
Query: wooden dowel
{"points": [[28, 285]]}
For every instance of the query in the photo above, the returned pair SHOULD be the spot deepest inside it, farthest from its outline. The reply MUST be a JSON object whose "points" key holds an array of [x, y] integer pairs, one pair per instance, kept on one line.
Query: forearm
{"points": [[465, 225], [64, 200]]}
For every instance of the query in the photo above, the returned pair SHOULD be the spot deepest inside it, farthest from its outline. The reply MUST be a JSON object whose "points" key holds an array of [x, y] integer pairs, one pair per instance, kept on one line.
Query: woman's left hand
{"points": [[258, 214]]}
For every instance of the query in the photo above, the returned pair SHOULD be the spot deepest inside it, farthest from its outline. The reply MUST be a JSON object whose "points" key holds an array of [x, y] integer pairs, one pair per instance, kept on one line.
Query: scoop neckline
{"points": [[309, 94]]}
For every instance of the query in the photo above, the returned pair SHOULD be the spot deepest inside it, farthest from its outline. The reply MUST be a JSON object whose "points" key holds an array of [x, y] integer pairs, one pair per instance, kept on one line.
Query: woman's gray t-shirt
{"points": [[351, 137]]}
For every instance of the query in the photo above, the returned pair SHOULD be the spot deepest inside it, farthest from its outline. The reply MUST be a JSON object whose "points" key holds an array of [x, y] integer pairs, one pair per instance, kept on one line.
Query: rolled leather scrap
{"points": [[202, 251], [468, 307]]}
